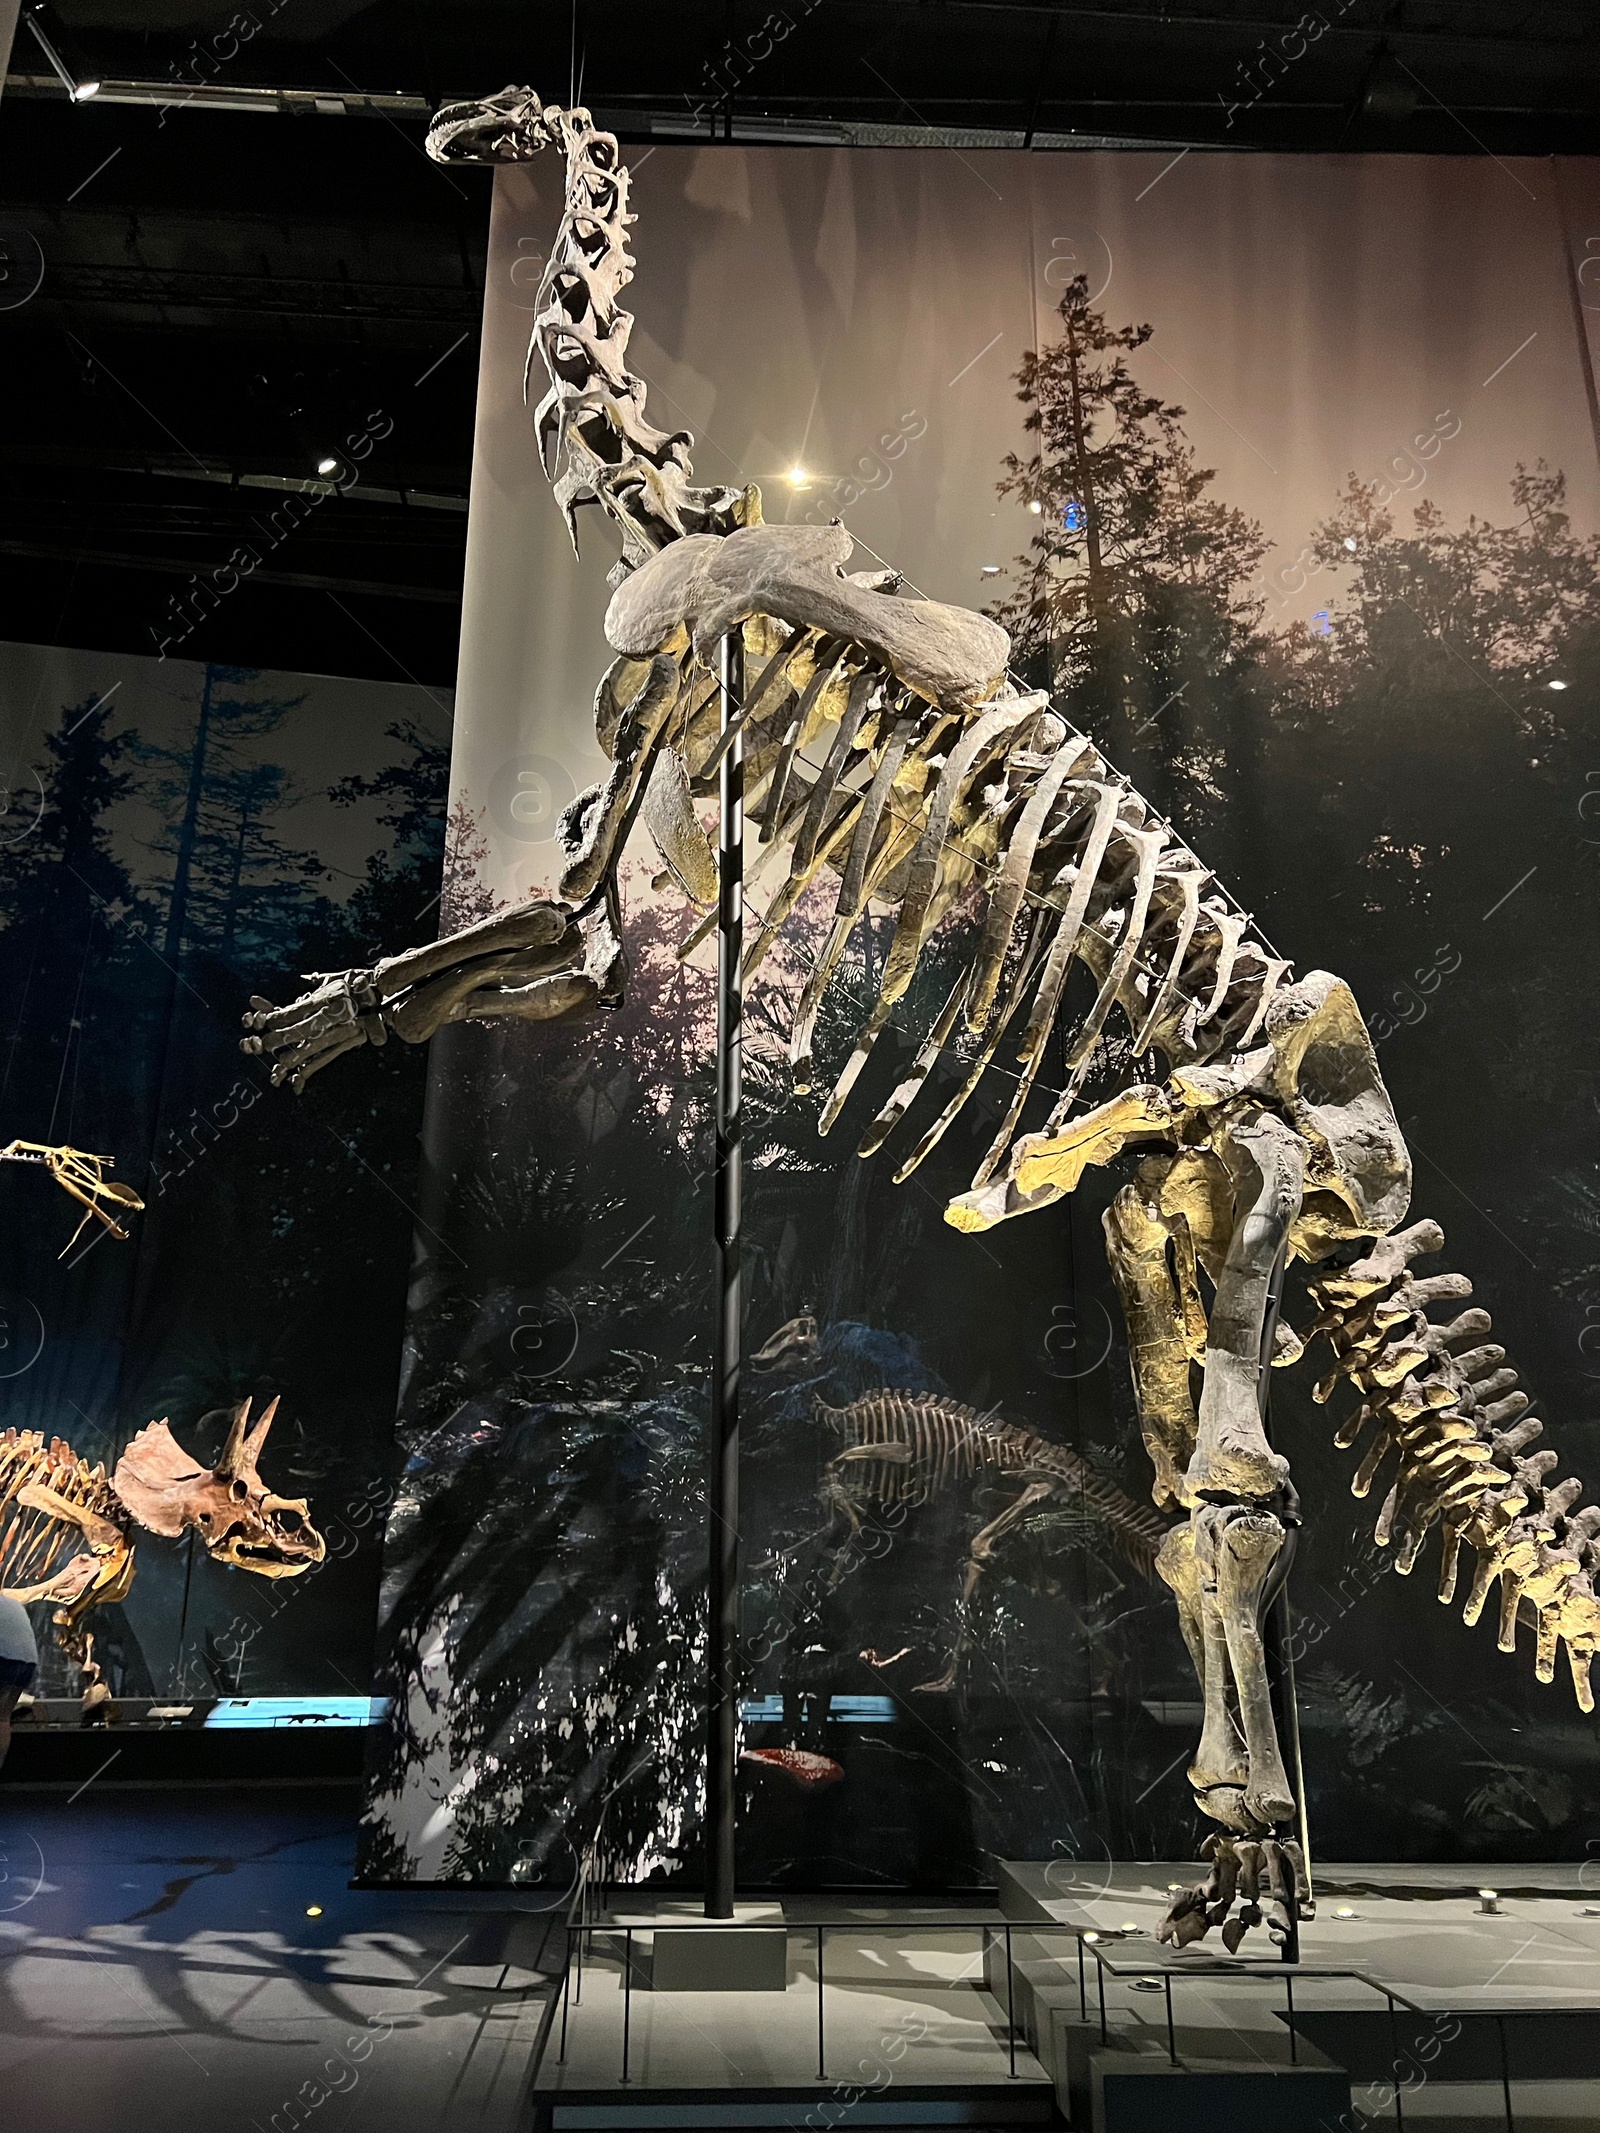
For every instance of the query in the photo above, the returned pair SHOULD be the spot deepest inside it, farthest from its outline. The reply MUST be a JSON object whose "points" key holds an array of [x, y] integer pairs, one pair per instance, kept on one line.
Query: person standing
{"points": [[19, 1662]]}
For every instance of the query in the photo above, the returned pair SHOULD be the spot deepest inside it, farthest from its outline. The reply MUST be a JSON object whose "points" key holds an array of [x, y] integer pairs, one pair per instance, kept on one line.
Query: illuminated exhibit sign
{"points": [[299, 1711]]}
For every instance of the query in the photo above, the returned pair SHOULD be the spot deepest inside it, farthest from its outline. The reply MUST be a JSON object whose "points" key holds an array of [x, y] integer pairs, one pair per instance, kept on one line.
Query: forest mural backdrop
{"points": [[175, 837], [1283, 473]]}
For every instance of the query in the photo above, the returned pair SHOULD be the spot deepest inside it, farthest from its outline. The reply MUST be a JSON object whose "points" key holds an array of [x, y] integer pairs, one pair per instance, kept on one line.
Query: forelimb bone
{"points": [[517, 962]]}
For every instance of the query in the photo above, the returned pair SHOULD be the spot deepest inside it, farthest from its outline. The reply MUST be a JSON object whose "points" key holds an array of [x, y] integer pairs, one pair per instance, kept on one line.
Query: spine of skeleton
{"points": [[594, 439], [1441, 1403]]}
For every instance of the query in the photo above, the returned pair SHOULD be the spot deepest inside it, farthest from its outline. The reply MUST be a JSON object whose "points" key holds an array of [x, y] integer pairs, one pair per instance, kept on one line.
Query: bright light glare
{"points": [[797, 477], [328, 464], [1555, 684], [84, 91], [1035, 507]]}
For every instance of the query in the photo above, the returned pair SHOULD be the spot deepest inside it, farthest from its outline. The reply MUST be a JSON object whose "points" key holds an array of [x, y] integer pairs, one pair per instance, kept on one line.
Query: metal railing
{"points": [[1105, 1947], [1101, 1945], [808, 1928]]}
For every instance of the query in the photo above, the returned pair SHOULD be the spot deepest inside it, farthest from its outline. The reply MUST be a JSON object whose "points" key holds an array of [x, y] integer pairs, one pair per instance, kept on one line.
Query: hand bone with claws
{"points": [[889, 751]]}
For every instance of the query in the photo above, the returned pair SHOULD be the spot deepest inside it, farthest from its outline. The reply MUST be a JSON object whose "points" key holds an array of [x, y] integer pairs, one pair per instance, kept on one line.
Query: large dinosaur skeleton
{"points": [[891, 756], [66, 1527], [905, 1449]]}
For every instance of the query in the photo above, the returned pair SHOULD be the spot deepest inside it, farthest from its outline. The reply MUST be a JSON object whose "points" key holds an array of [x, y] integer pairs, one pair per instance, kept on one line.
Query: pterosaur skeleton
{"points": [[888, 749], [84, 1176]]}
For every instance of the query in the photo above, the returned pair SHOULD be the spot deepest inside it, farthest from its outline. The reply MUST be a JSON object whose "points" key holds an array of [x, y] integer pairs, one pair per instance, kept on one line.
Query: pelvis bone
{"points": [[946, 655]]}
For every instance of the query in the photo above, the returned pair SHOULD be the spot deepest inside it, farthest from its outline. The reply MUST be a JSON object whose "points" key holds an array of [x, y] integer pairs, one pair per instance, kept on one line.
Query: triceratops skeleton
{"points": [[887, 745], [65, 1526]]}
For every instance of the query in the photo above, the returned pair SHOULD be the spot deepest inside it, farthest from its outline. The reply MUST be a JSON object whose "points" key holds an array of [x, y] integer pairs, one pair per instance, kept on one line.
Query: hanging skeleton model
{"points": [[1271, 1133], [83, 1175]]}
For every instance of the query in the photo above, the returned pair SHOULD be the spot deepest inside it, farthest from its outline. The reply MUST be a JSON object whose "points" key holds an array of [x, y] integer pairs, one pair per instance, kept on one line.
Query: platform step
{"points": [[982, 2105]]}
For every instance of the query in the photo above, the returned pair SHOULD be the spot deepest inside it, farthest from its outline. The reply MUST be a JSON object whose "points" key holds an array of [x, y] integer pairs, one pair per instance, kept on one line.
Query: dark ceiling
{"points": [[229, 294]]}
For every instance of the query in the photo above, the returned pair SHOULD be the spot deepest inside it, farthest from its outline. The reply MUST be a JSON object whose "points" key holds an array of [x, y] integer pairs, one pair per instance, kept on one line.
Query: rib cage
{"points": [[1078, 868], [947, 1442], [37, 1544]]}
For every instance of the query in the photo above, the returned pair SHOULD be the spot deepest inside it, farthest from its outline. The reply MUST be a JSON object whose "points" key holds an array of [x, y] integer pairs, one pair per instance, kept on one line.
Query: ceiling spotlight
{"points": [[1091, 1936], [1035, 507], [313, 1910], [1555, 685], [85, 89], [327, 464], [990, 570], [1489, 1901], [1344, 1911], [1129, 1925], [1388, 92], [1350, 542], [797, 477]]}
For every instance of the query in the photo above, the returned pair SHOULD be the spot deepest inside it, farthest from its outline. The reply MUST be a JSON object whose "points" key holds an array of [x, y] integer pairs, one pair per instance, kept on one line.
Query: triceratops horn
{"points": [[233, 1454], [258, 1436]]}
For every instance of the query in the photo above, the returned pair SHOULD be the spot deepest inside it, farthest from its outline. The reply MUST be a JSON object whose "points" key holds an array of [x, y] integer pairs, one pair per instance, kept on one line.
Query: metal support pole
{"points": [[723, 1582], [1011, 2005], [1277, 1627], [821, 2054], [627, 1999], [1394, 2054], [1505, 2073]]}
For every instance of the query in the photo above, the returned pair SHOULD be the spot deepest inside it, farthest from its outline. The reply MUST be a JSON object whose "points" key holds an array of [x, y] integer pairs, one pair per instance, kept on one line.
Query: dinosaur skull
{"points": [[236, 1515], [508, 128], [794, 1348]]}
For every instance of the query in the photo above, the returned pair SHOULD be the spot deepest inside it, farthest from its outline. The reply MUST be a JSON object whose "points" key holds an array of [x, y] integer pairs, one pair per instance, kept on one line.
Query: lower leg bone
{"points": [[1247, 1547]]}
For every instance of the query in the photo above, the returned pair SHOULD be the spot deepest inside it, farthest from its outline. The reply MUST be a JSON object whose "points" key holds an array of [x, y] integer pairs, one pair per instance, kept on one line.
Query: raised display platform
{"points": [[1406, 1983]]}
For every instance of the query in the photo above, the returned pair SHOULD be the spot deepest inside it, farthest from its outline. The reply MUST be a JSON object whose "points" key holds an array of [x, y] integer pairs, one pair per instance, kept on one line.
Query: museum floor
{"points": [[193, 1956]]}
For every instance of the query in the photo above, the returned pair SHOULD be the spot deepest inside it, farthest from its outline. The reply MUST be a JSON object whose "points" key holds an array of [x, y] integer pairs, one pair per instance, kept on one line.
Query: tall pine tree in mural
{"points": [[1134, 597]]}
